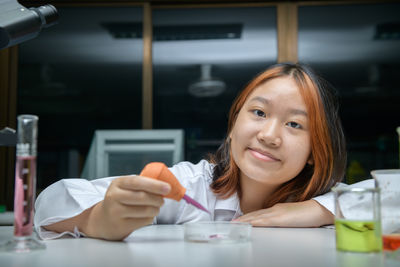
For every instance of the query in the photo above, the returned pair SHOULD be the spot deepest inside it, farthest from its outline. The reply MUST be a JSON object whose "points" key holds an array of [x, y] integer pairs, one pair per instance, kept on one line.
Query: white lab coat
{"points": [[69, 197]]}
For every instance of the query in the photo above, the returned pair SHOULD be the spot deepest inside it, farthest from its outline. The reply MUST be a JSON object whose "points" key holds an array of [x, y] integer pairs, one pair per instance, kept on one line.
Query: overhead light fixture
{"points": [[129, 30], [387, 31], [206, 85]]}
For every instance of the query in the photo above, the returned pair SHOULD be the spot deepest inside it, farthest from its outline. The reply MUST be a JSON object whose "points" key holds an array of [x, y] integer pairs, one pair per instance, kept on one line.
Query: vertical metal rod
{"points": [[147, 80], [287, 27]]}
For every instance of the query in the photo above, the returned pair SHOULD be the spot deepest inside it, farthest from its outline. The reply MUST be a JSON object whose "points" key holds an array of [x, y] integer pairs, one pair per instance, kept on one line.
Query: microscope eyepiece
{"points": [[18, 24], [48, 15]]}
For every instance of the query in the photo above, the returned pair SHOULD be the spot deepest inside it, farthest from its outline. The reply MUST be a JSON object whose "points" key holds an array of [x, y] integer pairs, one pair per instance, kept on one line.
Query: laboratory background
{"points": [[178, 65]]}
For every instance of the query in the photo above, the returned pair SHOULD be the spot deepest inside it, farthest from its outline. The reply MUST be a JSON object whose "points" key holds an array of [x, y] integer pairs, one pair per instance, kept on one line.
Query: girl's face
{"points": [[270, 140]]}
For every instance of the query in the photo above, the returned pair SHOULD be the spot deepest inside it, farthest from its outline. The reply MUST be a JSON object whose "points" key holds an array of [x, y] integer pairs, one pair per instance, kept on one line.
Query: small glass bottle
{"points": [[25, 186]]}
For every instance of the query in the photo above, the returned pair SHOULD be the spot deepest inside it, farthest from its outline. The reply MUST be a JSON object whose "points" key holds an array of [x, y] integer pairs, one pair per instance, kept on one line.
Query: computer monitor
{"points": [[124, 152]]}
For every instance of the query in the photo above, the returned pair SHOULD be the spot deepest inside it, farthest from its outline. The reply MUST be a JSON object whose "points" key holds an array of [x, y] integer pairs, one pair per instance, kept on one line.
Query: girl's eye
{"points": [[294, 125], [258, 113]]}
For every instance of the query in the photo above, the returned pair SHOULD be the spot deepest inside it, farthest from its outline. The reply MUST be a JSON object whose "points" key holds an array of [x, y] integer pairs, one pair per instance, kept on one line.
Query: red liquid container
{"points": [[25, 173], [391, 242], [25, 187]]}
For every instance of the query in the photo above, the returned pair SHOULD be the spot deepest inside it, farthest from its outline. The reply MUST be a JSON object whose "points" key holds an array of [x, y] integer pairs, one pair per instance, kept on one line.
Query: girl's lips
{"points": [[262, 155]]}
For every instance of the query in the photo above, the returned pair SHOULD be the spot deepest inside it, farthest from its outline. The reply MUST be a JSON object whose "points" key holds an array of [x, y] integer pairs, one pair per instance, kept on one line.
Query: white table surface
{"points": [[163, 245], [6, 218]]}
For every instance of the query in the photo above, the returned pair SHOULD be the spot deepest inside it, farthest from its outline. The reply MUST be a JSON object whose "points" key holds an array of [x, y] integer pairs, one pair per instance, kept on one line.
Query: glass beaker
{"points": [[357, 219], [389, 183], [25, 186]]}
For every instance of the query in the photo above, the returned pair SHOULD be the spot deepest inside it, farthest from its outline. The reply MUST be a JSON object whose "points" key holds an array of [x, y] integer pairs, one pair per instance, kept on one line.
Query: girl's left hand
{"points": [[308, 213]]}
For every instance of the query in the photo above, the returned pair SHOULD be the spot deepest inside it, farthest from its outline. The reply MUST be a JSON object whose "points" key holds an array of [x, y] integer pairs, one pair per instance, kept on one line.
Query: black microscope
{"points": [[19, 24]]}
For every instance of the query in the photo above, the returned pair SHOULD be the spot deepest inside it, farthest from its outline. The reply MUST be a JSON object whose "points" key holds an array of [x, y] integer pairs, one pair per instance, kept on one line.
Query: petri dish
{"points": [[217, 232]]}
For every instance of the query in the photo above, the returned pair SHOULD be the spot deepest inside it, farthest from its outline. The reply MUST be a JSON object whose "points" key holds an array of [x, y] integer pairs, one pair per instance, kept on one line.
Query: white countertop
{"points": [[7, 218], [163, 245]]}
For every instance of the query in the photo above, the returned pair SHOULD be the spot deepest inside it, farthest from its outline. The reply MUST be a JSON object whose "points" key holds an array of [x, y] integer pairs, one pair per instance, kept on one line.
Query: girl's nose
{"points": [[270, 134]]}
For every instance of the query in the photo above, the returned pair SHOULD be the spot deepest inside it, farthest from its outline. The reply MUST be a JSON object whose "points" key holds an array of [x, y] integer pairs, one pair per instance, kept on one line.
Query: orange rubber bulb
{"points": [[159, 171]]}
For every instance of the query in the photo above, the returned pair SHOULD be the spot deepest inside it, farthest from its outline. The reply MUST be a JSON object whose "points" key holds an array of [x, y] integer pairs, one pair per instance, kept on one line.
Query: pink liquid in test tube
{"points": [[25, 173], [25, 188]]}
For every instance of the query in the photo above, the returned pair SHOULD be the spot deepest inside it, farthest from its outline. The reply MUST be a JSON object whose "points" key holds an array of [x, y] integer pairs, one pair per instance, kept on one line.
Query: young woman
{"points": [[283, 150]]}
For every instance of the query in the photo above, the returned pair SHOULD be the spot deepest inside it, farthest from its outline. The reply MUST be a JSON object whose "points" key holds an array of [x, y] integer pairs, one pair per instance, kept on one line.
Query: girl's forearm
{"points": [[307, 213], [68, 225]]}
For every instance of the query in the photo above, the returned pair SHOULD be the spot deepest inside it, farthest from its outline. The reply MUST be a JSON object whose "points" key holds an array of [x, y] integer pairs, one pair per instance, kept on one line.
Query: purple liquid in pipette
{"points": [[194, 203]]}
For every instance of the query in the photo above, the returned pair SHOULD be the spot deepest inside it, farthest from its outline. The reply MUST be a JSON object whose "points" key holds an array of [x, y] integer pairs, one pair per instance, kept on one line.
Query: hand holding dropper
{"points": [[160, 171]]}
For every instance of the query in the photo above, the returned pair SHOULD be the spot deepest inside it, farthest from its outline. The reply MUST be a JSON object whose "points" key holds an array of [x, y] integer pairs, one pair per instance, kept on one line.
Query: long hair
{"points": [[328, 147]]}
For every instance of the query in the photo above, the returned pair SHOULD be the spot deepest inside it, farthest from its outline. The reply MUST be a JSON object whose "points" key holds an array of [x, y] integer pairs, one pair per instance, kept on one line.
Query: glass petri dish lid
{"points": [[217, 232]]}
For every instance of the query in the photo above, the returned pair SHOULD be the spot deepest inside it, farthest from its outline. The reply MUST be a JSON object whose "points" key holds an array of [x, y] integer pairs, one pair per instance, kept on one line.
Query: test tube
{"points": [[25, 186], [25, 175]]}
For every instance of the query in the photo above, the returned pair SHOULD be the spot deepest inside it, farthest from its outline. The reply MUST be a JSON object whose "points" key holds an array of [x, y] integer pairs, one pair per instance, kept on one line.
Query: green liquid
{"points": [[359, 236]]}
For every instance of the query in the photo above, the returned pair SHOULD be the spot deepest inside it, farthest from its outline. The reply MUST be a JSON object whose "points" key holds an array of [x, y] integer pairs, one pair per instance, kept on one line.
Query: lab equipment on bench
{"points": [[25, 187]]}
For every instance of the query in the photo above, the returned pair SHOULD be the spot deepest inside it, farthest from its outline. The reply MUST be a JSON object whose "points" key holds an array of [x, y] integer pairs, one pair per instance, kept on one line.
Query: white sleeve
{"points": [[327, 199], [65, 199]]}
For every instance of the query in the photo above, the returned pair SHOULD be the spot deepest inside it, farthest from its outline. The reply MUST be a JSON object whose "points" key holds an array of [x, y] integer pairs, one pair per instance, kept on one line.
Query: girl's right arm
{"points": [[130, 202]]}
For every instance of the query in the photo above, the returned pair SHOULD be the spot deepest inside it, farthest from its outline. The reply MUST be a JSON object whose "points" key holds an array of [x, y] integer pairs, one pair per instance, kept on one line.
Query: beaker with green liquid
{"points": [[358, 219]]}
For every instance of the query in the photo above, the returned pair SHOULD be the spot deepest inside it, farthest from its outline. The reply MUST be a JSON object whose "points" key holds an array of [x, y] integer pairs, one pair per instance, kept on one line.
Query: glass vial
{"points": [[25, 186]]}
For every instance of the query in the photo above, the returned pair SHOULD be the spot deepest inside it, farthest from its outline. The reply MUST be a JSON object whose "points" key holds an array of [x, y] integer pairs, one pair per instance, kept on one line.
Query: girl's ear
{"points": [[310, 160]]}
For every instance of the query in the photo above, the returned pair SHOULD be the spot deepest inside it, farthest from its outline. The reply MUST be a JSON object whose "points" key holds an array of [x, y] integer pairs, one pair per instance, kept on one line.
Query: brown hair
{"points": [[327, 139]]}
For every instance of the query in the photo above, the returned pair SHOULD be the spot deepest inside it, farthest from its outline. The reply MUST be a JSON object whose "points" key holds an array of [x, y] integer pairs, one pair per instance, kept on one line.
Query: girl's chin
{"points": [[258, 177]]}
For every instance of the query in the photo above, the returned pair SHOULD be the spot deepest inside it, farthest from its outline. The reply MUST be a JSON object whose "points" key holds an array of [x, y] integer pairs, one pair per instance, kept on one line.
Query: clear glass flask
{"points": [[25, 186]]}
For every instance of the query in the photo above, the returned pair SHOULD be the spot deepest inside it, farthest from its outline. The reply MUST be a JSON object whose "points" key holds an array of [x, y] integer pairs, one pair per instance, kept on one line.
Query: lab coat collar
{"points": [[232, 203]]}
